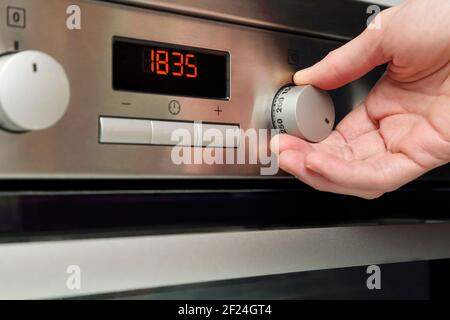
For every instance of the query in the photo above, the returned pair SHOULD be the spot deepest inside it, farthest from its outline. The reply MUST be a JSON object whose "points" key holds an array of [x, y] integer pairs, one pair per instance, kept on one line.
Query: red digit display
{"points": [[191, 65], [177, 64], [170, 69], [153, 61], [164, 62]]}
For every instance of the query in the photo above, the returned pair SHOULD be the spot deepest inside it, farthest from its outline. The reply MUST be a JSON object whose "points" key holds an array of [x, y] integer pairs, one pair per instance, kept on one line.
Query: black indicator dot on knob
{"points": [[49, 103], [303, 111]]}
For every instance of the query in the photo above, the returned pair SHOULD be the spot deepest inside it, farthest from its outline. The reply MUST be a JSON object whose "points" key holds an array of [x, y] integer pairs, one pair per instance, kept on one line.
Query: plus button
{"points": [[218, 110]]}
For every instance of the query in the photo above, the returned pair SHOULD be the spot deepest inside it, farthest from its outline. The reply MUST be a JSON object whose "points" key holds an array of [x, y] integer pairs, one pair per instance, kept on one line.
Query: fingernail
{"points": [[300, 76], [274, 145]]}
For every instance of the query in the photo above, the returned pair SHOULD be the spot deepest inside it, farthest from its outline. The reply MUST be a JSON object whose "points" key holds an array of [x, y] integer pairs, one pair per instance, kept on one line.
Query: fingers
{"points": [[327, 169], [282, 142], [383, 173], [347, 63], [350, 174], [293, 153], [293, 162]]}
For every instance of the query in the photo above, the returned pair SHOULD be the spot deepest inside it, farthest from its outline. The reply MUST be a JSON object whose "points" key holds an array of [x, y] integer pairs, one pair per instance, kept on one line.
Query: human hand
{"points": [[402, 129]]}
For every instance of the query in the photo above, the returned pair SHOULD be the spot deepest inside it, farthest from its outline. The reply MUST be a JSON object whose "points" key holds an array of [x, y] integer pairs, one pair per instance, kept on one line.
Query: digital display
{"points": [[168, 69]]}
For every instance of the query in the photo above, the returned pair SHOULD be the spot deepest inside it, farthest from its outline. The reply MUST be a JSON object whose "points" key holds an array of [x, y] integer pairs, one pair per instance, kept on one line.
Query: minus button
{"points": [[125, 131]]}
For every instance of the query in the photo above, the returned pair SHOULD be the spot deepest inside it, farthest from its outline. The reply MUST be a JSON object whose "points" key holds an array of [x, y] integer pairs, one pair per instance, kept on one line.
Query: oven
{"points": [[145, 172]]}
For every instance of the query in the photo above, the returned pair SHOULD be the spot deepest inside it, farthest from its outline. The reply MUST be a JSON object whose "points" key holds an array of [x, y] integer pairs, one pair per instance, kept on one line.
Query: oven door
{"points": [[217, 239]]}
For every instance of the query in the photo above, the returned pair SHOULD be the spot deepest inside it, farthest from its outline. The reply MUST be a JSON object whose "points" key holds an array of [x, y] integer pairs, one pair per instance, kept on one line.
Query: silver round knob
{"points": [[303, 111], [34, 91]]}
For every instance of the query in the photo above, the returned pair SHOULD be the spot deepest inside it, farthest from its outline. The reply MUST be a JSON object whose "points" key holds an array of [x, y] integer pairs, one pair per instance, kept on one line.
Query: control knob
{"points": [[34, 91], [303, 111]]}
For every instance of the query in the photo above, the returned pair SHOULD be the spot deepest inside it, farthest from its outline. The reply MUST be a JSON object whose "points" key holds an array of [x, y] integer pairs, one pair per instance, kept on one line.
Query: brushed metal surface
{"points": [[39, 269], [337, 19], [70, 149]]}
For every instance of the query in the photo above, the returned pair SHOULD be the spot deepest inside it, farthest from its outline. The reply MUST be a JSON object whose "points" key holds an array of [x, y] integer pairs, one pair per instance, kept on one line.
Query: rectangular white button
{"points": [[124, 130], [160, 132], [219, 136], [174, 133]]}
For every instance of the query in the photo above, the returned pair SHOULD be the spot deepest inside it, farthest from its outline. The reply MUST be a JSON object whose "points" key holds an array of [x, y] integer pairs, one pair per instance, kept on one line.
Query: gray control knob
{"points": [[34, 91], [303, 111]]}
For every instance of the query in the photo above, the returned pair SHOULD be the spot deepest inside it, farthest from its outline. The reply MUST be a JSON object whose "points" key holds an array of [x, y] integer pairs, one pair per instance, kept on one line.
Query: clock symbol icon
{"points": [[174, 107]]}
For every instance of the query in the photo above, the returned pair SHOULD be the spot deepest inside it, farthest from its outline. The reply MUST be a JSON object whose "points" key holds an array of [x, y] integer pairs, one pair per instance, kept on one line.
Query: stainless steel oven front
{"points": [[103, 85], [118, 125]]}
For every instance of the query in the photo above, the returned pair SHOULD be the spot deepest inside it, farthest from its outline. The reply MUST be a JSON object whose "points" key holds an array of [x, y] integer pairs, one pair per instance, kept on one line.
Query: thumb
{"points": [[349, 62]]}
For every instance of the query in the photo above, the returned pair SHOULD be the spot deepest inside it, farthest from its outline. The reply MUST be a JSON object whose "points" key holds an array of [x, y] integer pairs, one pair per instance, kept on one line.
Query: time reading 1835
{"points": [[170, 63], [162, 68]]}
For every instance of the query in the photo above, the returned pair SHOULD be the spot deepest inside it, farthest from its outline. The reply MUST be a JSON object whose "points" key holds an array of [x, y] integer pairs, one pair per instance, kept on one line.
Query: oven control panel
{"points": [[97, 89]]}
